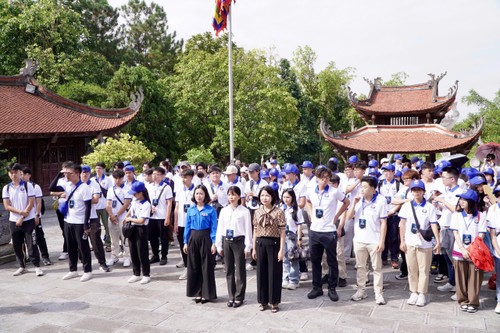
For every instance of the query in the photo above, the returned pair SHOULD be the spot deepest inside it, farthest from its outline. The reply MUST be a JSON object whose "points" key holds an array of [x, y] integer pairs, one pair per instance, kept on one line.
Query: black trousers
{"points": [[96, 240], [269, 270], [319, 242], [60, 219], [77, 245], [139, 250], [40, 240], [20, 236], [200, 266], [392, 239], [158, 234], [180, 239], [234, 261]]}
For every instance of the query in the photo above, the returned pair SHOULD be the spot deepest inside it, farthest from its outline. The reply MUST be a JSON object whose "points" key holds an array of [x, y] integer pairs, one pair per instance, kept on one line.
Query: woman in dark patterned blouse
{"points": [[268, 249]]}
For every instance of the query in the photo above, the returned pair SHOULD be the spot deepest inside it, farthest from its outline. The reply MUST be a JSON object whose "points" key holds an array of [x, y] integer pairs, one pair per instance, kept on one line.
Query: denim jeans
{"points": [[290, 268]]}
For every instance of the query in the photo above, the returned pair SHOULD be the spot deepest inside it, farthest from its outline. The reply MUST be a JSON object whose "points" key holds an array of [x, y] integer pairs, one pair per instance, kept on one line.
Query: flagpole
{"points": [[230, 67]]}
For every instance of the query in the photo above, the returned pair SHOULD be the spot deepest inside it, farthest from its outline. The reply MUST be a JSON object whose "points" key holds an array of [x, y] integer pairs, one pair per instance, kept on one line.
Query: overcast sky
{"points": [[377, 38]]}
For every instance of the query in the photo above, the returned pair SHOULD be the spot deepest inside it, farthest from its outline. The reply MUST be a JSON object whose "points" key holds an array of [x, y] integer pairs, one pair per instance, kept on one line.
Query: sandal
{"points": [[262, 307], [274, 308]]}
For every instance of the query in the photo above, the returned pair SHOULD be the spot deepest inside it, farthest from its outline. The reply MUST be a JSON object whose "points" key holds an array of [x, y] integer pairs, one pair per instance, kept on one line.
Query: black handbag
{"points": [[427, 234], [128, 229]]}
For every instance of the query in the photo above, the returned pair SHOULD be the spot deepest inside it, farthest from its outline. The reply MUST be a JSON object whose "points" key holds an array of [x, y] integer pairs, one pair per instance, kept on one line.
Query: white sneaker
{"points": [[454, 297], [413, 299], [63, 256], [250, 267], [20, 271], [180, 264], [420, 300], [359, 295], [284, 284], [38, 271], [86, 277], [134, 278], [70, 275], [304, 276], [145, 280], [380, 300], [292, 286], [497, 309], [126, 262], [446, 287], [184, 275], [112, 260]]}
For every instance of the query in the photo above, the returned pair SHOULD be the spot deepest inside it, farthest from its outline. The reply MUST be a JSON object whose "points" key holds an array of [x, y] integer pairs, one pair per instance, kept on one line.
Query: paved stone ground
{"points": [[107, 303]]}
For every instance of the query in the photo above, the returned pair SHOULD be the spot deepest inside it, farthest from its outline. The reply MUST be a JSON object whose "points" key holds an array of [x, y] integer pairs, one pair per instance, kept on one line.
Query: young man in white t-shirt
{"points": [[104, 183], [493, 221], [78, 202], [369, 210], [19, 200], [161, 196], [117, 204], [183, 200], [322, 202], [39, 233]]}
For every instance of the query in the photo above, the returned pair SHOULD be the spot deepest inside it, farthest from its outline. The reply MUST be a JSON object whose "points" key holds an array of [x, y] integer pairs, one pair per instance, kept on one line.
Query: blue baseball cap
{"points": [[353, 159], [489, 171], [496, 190], [417, 184], [441, 166], [398, 157], [333, 160], [292, 169], [372, 171], [282, 174], [373, 163], [469, 195], [404, 170], [264, 174], [419, 164], [137, 187], [389, 167], [414, 159], [398, 173], [274, 172], [470, 172], [307, 164], [125, 163], [129, 168], [274, 162], [85, 168], [274, 186], [478, 180]]}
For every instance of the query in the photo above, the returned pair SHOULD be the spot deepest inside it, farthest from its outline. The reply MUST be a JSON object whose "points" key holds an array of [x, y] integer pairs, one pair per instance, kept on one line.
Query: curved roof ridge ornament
{"points": [[453, 90], [433, 83], [327, 131], [353, 96], [136, 99], [30, 68], [474, 130]]}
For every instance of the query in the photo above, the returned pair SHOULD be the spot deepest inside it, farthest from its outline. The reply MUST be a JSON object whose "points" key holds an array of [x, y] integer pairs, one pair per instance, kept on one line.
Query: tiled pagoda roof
{"points": [[45, 114]]}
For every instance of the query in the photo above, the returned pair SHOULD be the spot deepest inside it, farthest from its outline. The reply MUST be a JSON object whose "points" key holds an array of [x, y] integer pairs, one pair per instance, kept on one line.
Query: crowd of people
{"points": [[415, 216]]}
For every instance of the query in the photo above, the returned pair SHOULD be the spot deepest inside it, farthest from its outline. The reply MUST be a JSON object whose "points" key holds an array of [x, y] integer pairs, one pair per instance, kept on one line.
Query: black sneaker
{"points": [[401, 276], [163, 261], [315, 293], [154, 259], [104, 268], [342, 282], [46, 261], [332, 293], [434, 270]]}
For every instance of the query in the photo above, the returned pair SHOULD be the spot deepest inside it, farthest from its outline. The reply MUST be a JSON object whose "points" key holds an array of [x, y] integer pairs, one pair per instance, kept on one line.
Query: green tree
{"points": [[154, 122], [145, 37], [488, 110], [397, 79], [264, 111], [123, 148]]}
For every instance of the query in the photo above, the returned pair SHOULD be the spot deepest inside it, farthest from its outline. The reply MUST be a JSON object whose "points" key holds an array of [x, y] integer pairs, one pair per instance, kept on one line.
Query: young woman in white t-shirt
{"points": [[294, 219], [139, 214], [467, 224]]}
